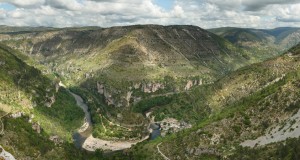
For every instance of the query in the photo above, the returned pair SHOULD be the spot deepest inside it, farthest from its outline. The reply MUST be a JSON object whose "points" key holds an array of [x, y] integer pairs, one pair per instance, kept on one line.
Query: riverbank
{"points": [[83, 137], [92, 144]]}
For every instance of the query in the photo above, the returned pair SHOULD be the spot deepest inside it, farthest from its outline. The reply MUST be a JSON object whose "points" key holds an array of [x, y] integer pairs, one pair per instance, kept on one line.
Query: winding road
{"points": [[163, 155]]}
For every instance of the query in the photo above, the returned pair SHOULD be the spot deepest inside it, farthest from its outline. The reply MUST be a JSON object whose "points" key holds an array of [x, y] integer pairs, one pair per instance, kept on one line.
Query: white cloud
{"points": [[2, 14], [178, 11], [248, 5], [105, 13], [25, 3], [287, 13], [64, 4], [260, 4], [226, 4]]}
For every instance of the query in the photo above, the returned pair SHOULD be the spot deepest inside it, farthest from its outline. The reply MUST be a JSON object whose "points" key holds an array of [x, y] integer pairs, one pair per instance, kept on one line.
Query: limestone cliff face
{"points": [[128, 97], [108, 97], [137, 85], [124, 98], [151, 87], [191, 83], [100, 88], [140, 54], [188, 85]]}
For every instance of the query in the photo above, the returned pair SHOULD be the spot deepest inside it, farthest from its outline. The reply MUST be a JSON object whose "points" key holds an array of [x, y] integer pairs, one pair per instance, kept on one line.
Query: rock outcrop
{"points": [[50, 101], [191, 83], [152, 87], [36, 127], [56, 140], [100, 88], [2, 63], [128, 97], [4, 155], [17, 114]]}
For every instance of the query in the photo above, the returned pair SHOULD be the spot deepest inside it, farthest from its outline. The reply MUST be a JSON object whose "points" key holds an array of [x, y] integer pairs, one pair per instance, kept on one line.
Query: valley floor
{"points": [[92, 144]]}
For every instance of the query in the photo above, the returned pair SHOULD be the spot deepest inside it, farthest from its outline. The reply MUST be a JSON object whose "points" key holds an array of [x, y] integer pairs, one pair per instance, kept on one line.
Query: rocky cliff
{"points": [[142, 54]]}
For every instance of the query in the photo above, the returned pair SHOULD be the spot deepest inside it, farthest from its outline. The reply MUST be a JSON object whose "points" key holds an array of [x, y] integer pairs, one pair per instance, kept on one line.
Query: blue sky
{"points": [[7, 6], [106, 13], [166, 4]]}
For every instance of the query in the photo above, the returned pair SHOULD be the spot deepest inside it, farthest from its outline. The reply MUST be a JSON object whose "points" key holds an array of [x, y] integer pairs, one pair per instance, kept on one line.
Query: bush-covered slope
{"points": [[23, 142], [45, 110], [156, 50], [255, 101], [114, 68], [25, 89]]}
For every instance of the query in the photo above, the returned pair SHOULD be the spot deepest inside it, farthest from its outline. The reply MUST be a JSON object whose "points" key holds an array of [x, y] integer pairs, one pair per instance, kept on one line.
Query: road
{"points": [[163, 155]]}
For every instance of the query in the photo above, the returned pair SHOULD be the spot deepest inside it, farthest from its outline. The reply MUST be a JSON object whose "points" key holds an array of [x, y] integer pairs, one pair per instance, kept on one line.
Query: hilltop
{"points": [[265, 43]]}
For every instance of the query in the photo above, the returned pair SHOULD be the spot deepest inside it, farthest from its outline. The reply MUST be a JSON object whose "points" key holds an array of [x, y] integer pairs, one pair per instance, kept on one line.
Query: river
{"points": [[86, 129], [83, 137]]}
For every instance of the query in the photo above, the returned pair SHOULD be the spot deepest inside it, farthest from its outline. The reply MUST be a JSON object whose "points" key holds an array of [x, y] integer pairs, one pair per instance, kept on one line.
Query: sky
{"points": [[107, 13]]}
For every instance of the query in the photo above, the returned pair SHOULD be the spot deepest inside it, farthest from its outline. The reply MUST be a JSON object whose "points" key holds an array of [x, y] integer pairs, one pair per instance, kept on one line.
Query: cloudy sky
{"points": [[106, 13]]}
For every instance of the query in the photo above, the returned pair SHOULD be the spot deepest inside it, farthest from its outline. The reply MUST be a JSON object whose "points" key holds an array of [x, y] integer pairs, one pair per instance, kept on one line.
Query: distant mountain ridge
{"points": [[264, 42]]}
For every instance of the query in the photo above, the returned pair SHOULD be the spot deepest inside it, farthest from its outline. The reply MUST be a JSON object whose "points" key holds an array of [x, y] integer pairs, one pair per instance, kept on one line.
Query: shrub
{"points": [[147, 104]]}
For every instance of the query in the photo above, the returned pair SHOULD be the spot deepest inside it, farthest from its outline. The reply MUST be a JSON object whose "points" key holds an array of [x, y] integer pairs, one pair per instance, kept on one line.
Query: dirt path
{"points": [[163, 155]]}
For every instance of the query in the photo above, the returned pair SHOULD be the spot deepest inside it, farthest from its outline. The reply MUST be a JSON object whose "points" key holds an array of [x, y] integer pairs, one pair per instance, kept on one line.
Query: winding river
{"points": [[86, 129], [83, 137]]}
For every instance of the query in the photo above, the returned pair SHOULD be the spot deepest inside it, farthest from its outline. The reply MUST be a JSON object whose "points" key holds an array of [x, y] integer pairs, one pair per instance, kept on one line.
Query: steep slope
{"points": [[261, 100], [266, 43], [155, 48], [34, 109], [115, 68], [21, 140]]}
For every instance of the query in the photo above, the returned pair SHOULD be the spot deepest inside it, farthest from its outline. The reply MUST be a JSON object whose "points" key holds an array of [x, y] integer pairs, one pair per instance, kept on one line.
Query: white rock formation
{"points": [[279, 133], [188, 85], [6, 155]]}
